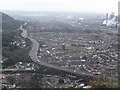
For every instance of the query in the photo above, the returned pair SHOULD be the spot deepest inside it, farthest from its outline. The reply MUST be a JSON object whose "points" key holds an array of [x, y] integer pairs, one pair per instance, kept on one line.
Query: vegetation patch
{"points": [[103, 82]]}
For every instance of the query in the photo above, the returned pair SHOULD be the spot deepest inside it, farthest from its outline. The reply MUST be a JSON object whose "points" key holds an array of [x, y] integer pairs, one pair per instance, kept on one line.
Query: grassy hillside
{"points": [[12, 53]]}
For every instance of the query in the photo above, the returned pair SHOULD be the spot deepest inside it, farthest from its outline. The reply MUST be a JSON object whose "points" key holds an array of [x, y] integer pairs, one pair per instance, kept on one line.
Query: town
{"points": [[66, 51]]}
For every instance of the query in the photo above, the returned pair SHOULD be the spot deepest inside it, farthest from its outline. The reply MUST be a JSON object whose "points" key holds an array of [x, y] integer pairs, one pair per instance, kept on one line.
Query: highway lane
{"points": [[24, 32], [14, 70], [33, 55]]}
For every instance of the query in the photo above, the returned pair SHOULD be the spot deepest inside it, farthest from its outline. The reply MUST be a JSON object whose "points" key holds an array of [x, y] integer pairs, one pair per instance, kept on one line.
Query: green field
{"points": [[46, 32], [79, 48]]}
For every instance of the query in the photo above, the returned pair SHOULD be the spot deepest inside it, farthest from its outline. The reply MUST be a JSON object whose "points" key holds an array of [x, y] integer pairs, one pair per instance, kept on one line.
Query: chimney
{"points": [[106, 18]]}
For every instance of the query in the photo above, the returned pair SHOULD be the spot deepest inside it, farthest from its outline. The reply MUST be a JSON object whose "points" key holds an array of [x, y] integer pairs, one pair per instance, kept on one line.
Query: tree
{"points": [[63, 47]]}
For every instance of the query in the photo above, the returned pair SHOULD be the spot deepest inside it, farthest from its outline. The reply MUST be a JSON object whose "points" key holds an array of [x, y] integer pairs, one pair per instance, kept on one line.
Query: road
{"points": [[33, 55], [14, 70]]}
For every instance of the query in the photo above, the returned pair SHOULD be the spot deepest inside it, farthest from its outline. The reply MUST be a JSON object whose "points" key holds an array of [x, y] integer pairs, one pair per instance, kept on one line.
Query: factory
{"points": [[111, 20]]}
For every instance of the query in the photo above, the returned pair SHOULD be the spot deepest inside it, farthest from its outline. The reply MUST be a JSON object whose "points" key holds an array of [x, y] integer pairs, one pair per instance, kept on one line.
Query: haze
{"points": [[97, 6]]}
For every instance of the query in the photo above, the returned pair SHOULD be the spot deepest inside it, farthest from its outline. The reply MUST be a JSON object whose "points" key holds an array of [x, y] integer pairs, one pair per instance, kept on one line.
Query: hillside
{"points": [[9, 23], [9, 26], [12, 50]]}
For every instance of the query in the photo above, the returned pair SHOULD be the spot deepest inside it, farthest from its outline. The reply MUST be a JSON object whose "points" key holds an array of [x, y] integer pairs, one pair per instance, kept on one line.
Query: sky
{"points": [[97, 6]]}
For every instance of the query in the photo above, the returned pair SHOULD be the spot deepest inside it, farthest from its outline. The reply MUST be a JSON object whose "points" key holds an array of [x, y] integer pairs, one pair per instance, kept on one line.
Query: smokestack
{"points": [[106, 18], [111, 16]]}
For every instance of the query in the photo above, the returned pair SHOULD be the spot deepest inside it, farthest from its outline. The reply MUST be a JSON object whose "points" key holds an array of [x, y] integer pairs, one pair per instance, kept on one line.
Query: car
{"points": [[38, 61], [83, 73], [96, 73], [74, 70]]}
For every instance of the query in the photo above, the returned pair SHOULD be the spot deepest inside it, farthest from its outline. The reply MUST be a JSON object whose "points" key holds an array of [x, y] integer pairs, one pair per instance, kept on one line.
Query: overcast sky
{"points": [[98, 6]]}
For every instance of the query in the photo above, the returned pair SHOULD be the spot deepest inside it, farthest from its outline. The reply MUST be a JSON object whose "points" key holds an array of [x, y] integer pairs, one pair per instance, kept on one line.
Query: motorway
{"points": [[33, 55]]}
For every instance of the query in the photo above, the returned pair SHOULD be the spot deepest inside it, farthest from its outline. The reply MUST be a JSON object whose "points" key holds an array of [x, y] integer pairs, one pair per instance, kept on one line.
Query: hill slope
{"points": [[9, 23], [13, 53]]}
